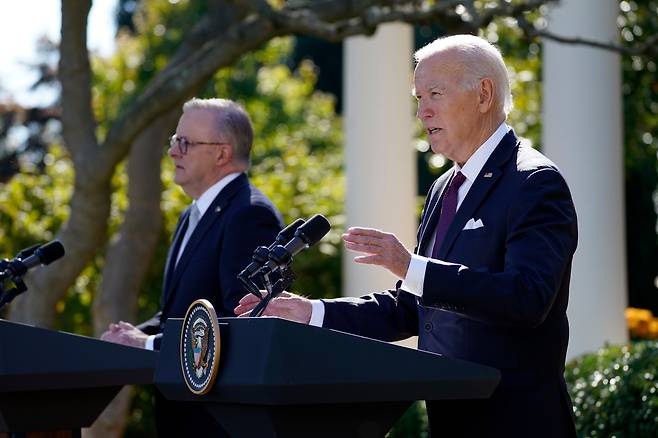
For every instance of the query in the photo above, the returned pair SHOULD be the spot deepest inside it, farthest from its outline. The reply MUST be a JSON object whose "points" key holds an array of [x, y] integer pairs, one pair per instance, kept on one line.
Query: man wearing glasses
{"points": [[215, 236]]}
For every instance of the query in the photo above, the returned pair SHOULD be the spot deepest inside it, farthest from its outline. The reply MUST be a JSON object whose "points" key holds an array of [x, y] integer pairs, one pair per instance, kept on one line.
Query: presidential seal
{"points": [[200, 347]]}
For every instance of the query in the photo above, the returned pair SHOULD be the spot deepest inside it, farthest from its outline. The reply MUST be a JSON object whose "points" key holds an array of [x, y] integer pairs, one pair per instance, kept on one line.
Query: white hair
{"points": [[480, 59], [231, 119]]}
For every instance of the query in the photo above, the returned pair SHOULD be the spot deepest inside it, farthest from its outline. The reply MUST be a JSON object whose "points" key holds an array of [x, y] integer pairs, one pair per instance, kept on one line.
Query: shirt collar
{"points": [[476, 162], [211, 193]]}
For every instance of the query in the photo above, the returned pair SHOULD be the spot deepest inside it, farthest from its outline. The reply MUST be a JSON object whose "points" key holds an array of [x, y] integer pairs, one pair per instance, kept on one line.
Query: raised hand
{"points": [[382, 249]]}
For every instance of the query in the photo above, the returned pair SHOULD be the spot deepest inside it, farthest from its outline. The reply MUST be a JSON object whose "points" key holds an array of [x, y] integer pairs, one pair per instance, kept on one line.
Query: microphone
{"points": [[261, 255], [25, 260], [306, 235], [44, 255], [281, 256], [26, 252]]}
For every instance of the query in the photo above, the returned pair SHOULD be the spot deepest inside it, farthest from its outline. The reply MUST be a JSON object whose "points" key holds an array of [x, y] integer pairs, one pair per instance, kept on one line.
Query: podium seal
{"points": [[200, 347]]}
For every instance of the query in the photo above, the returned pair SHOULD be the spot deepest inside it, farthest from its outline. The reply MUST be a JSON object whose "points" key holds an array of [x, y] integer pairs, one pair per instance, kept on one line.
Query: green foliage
{"points": [[412, 424], [296, 159], [638, 21], [34, 205], [615, 391]]}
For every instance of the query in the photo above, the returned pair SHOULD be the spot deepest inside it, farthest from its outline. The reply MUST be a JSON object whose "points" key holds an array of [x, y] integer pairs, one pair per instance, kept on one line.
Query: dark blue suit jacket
{"points": [[497, 295], [240, 219]]}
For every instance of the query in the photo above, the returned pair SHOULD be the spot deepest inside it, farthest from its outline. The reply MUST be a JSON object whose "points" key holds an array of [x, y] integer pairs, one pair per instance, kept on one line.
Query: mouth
{"points": [[431, 131]]}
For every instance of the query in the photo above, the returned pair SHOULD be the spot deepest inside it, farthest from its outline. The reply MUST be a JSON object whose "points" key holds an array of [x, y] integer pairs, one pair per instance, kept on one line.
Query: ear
{"points": [[487, 92], [224, 154]]}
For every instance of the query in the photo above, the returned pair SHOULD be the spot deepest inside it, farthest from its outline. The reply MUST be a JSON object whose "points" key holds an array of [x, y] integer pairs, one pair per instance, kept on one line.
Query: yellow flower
{"points": [[641, 323]]}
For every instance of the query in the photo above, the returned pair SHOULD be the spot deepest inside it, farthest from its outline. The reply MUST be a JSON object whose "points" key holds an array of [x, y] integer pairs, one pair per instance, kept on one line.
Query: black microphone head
{"points": [[26, 252], [50, 252], [313, 230], [288, 232]]}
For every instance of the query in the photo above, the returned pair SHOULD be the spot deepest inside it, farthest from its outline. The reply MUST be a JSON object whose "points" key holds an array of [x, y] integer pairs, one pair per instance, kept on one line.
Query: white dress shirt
{"points": [[415, 278]]}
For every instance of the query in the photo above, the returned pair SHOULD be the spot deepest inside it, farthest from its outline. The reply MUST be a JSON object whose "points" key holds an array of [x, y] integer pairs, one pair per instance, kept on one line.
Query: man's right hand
{"points": [[288, 306]]}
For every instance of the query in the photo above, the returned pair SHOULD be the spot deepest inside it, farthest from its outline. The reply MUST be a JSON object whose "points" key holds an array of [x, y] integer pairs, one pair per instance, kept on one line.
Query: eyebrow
{"points": [[433, 87]]}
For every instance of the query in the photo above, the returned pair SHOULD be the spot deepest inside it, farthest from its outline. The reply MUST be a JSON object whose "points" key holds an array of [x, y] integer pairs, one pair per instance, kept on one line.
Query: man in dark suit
{"points": [[217, 234], [489, 279]]}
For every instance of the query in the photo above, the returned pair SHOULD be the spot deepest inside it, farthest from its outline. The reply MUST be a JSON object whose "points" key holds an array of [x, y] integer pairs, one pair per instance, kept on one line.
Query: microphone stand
{"points": [[283, 283], [16, 287]]}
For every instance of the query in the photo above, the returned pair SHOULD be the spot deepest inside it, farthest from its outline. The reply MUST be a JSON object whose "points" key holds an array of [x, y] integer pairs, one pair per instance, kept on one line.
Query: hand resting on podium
{"points": [[287, 306], [126, 334]]}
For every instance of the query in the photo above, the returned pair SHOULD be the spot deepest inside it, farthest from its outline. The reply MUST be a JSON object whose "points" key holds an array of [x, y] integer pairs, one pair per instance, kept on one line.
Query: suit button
{"points": [[428, 327]]}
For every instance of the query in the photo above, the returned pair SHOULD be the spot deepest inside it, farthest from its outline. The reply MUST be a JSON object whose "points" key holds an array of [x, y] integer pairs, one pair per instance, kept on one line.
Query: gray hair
{"points": [[231, 120], [480, 59]]}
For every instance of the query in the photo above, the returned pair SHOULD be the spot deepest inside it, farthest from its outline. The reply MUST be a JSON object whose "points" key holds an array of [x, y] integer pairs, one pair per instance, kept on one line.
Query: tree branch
{"points": [[316, 22], [505, 9], [174, 84], [326, 19], [78, 122], [649, 47]]}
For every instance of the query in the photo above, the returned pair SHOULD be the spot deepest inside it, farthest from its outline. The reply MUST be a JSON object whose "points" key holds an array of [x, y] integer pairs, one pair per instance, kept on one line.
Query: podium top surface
{"points": [[34, 358]]}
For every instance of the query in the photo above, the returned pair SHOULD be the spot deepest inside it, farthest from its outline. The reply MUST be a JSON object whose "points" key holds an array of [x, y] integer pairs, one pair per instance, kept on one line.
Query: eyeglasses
{"points": [[184, 144]]}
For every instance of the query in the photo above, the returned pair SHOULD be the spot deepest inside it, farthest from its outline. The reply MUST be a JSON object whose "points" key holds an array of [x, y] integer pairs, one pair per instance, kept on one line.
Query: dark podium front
{"points": [[54, 381], [277, 378]]}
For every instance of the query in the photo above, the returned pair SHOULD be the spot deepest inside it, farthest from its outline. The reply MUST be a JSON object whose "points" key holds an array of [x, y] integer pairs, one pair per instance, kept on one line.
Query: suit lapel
{"points": [[479, 190], [173, 252], [431, 217], [214, 212]]}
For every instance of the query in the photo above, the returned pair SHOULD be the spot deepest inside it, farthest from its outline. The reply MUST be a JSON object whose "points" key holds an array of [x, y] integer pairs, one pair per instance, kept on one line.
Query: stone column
{"points": [[583, 135], [379, 154]]}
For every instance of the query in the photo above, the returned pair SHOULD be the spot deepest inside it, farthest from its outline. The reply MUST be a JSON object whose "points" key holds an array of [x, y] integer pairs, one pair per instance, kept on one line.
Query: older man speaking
{"points": [[489, 279]]}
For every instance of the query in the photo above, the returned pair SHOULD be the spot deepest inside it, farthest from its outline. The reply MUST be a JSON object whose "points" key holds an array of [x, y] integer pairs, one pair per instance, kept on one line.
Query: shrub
{"points": [[615, 391]]}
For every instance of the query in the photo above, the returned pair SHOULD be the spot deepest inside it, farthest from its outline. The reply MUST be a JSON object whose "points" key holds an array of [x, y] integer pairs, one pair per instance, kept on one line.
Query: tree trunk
{"points": [[129, 254], [85, 229], [82, 234]]}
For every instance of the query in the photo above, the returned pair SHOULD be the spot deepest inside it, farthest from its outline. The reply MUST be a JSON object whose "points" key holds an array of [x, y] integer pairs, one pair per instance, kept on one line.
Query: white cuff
{"points": [[149, 342], [317, 313], [415, 279]]}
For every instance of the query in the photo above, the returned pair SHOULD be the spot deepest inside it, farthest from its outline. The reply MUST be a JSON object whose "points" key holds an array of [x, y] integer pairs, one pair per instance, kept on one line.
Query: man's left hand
{"points": [[126, 334], [383, 249]]}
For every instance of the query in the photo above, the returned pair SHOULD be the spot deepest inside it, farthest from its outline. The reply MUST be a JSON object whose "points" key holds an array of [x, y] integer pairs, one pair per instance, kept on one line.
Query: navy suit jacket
{"points": [[496, 295], [240, 219]]}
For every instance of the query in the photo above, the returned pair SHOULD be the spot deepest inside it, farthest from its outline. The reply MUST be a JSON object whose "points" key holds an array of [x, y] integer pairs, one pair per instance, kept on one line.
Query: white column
{"points": [[379, 154], [583, 135]]}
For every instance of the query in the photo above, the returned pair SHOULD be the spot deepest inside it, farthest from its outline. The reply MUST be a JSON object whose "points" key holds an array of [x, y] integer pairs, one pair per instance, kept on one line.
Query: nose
{"points": [[424, 111], [174, 151]]}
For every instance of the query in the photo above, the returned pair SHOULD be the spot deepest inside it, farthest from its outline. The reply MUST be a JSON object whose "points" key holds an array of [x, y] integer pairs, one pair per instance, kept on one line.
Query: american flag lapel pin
{"points": [[488, 175]]}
